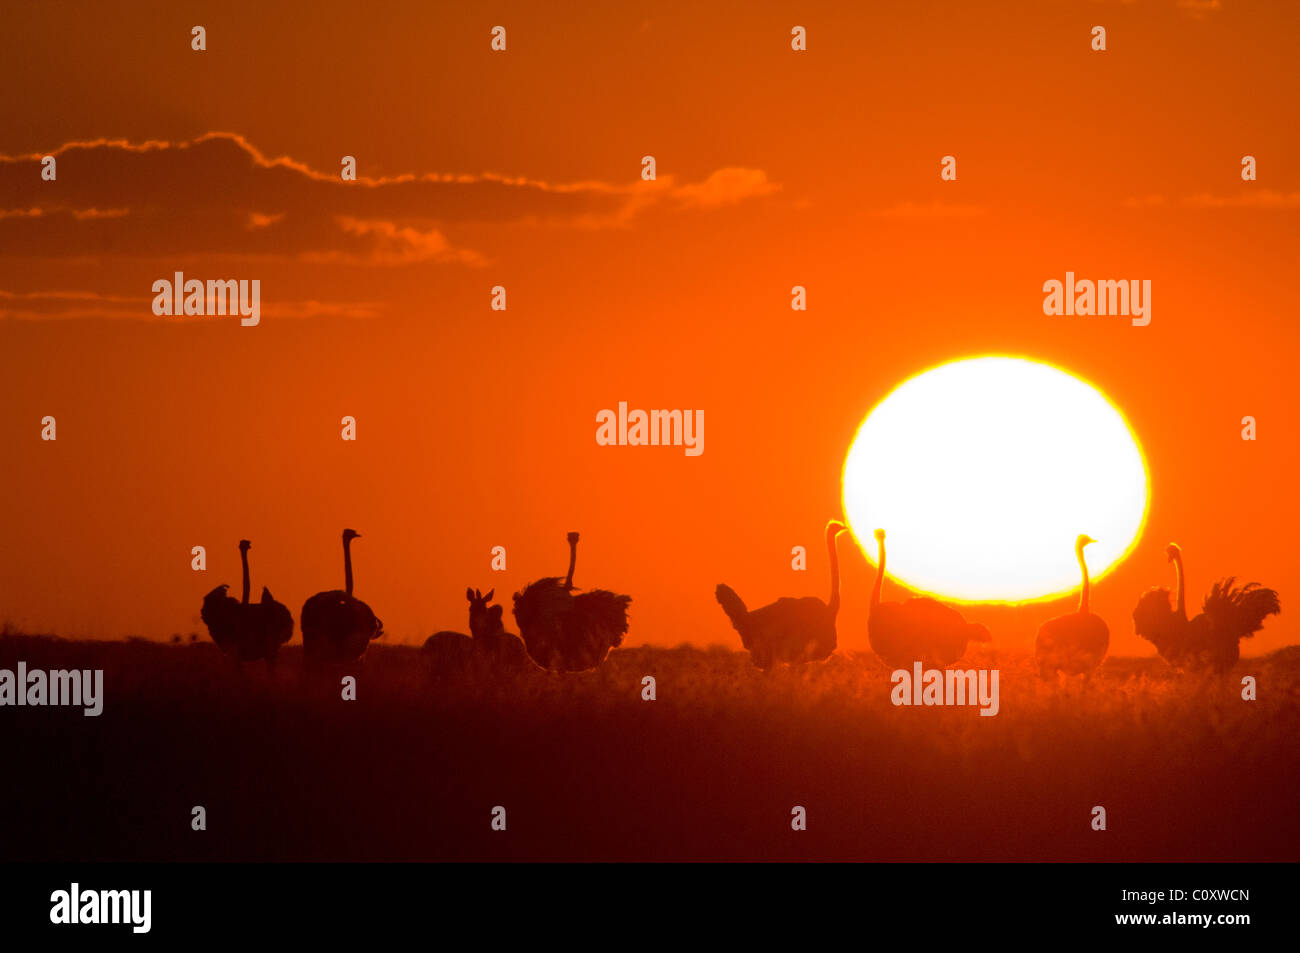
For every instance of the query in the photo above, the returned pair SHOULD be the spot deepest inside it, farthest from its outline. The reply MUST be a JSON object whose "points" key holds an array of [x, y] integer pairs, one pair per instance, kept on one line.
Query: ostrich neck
{"points": [[243, 555], [880, 574], [834, 603], [347, 566], [573, 564], [1083, 594], [1182, 599]]}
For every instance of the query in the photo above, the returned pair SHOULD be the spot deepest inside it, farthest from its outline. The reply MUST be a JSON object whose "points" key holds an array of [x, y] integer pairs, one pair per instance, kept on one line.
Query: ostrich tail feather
{"points": [[1240, 611], [732, 605]]}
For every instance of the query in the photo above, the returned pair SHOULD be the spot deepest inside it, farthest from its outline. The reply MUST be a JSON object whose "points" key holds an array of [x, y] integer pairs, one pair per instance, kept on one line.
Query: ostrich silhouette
{"points": [[789, 630], [1075, 643], [488, 645], [246, 631], [337, 626], [564, 632], [917, 629], [1211, 640]]}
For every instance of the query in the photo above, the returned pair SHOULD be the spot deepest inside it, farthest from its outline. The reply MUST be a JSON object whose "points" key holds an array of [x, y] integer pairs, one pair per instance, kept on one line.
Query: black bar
{"points": [[607, 903]]}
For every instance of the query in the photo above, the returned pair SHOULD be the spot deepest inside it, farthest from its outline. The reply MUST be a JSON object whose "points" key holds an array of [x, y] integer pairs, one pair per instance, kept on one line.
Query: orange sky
{"points": [[476, 428]]}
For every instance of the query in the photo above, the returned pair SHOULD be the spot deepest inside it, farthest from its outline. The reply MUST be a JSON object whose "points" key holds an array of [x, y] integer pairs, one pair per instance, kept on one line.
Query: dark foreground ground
{"points": [[588, 771]]}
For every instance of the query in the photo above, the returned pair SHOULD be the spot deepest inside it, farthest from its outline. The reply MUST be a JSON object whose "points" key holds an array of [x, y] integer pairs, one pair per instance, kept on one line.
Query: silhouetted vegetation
{"points": [[588, 770]]}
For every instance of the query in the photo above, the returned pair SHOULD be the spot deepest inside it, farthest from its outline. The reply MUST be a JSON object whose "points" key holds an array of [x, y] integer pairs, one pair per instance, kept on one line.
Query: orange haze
{"points": [[476, 427]]}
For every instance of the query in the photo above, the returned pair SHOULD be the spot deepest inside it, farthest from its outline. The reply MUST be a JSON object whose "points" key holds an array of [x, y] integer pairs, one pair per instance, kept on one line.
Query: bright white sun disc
{"points": [[983, 472]]}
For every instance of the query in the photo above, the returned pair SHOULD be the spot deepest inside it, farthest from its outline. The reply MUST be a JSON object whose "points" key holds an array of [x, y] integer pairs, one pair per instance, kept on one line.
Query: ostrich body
{"points": [[917, 629], [246, 631], [1210, 640], [789, 630], [488, 644], [337, 626], [1074, 643], [564, 632]]}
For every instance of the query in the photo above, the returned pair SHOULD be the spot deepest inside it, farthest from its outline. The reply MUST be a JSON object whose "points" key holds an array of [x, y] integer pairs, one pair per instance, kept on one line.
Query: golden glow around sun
{"points": [[983, 471]]}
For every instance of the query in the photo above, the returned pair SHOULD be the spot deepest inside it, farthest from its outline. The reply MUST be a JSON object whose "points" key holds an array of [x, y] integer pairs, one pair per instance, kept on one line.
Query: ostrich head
{"points": [[1083, 541], [836, 527], [245, 545], [880, 535], [350, 534], [572, 538], [1172, 552]]}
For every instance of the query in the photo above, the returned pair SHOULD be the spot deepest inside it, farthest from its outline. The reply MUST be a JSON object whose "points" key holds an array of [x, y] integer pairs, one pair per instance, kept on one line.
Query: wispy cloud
{"points": [[1194, 8], [390, 244], [56, 305], [219, 194], [725, 187], [1249, 197], [1200, 8]]}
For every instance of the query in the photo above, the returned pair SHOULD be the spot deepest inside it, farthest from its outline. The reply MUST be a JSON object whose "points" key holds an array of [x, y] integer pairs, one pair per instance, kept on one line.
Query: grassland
{"points": [[587, 770]]}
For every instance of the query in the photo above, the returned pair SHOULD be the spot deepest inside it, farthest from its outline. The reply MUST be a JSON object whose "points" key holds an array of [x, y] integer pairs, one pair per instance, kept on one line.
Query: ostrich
{"points": [[919, 629], [1075, 643], [337, 626], [243, 630], [498, 650], [1208, 641], [788, 630], [564, 632]]}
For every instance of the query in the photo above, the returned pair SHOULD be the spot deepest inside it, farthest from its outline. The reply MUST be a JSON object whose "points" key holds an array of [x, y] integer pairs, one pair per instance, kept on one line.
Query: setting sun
{"points": [[984, 471]]}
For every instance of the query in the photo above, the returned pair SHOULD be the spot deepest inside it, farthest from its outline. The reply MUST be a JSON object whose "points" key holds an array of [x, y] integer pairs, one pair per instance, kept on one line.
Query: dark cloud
{"points": [[219, 195]]}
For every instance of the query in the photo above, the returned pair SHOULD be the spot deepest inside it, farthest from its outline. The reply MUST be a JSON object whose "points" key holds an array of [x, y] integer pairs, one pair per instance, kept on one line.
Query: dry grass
{"points": [[587, 770]]}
